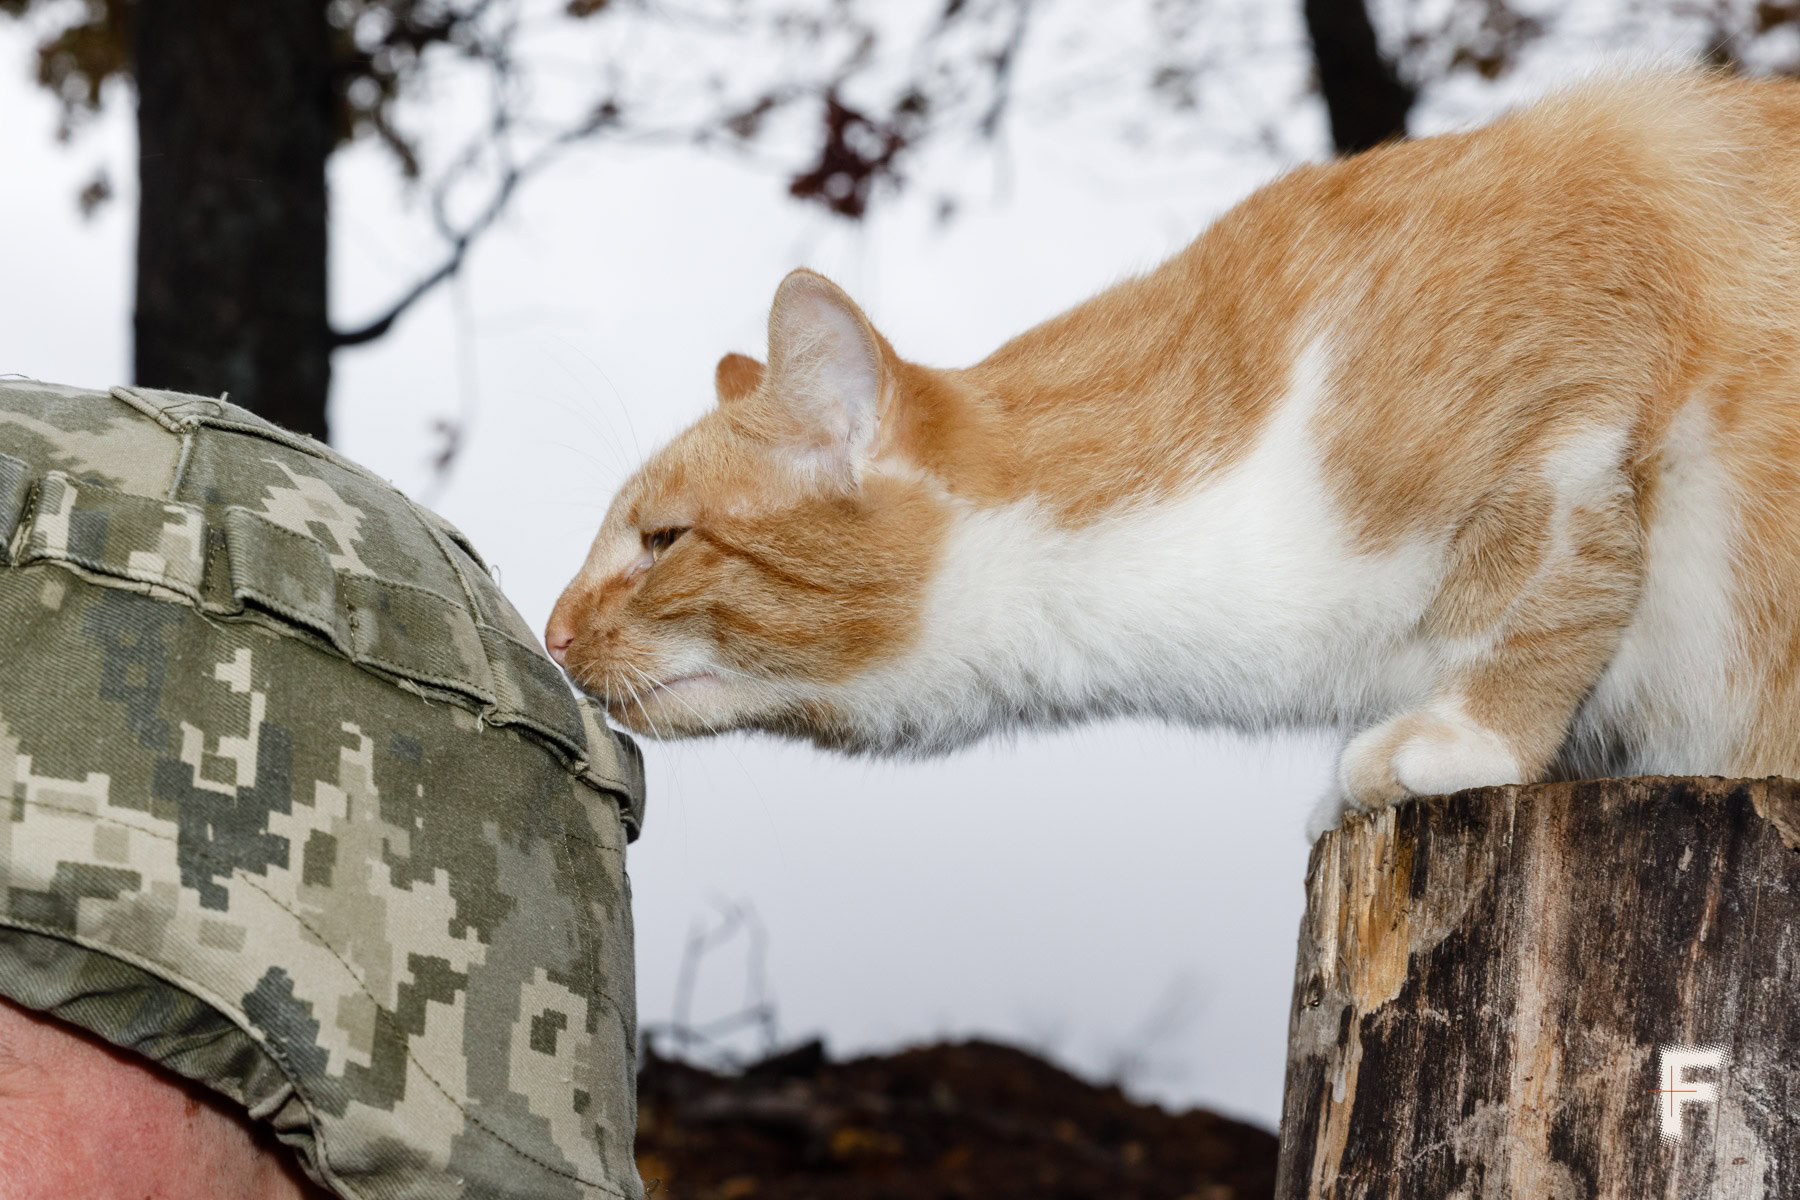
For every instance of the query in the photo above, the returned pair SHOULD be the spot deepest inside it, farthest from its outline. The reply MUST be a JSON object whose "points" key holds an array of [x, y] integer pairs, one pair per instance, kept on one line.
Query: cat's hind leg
{"points": [[1540, 586]]}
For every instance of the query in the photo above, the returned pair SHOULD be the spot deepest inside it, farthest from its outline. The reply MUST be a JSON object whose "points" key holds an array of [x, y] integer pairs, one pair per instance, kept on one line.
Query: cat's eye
{"points": [[658, 540]]}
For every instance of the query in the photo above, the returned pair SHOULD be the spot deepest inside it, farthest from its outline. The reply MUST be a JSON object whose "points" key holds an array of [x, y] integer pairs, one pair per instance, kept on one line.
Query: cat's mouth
{"points": [[669, 685]]}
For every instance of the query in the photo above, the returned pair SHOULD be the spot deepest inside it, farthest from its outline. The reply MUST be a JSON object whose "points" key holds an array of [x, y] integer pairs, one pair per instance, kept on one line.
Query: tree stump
{"points": [[1577, 990]]}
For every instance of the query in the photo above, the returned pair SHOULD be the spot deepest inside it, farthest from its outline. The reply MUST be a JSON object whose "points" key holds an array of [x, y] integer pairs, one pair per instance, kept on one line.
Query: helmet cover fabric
{"points": [[296, 808]]}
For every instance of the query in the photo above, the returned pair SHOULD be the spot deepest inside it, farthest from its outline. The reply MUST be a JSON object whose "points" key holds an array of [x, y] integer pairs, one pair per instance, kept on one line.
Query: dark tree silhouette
{"points": [[1364, 96], [235, 122]]}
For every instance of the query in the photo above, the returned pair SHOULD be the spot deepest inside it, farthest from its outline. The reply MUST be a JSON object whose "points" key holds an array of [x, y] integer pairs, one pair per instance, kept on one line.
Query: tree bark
{"points": [[1364, 96], [235, 122], [1493, 989]]}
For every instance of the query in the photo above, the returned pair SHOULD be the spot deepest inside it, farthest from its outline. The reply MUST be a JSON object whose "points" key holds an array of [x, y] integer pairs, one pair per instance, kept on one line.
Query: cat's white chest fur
{"points": [[1241, 602]]}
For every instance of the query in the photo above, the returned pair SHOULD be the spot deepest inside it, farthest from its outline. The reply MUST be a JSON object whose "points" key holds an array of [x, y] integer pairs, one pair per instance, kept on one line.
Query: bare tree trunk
{"points": [[1572, 990], [1364, 95], [235, 122]]}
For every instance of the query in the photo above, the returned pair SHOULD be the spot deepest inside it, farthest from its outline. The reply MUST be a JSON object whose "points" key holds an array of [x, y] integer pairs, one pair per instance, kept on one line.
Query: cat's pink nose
{"points": [[557, 637]]}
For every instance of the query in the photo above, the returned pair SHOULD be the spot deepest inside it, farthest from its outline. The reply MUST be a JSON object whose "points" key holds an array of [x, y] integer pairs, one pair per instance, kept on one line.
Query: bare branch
{"points": [[1003, 60], [758, 1012], [463, 238]]}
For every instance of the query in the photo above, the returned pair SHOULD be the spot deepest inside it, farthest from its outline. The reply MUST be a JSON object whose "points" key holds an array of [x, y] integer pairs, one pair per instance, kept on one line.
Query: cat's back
{"points": [[1595, 257], [1668, 163]]}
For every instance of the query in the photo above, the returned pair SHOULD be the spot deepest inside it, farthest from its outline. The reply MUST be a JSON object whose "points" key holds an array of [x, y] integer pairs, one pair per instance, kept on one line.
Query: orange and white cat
{"points": [[1483, 449]]}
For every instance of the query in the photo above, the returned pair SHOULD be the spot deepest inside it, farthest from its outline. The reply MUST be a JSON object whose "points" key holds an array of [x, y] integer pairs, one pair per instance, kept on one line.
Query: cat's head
{"points": [[756, 570]]}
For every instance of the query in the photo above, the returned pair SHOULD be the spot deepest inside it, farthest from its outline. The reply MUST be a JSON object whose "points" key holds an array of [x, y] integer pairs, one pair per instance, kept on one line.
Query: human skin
{"points": [[81, 1118]]}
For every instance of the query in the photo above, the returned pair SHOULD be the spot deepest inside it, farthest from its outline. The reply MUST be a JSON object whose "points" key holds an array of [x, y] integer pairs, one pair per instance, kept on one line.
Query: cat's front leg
{"points": [[1424, 753], [1431, 752], [1539, 587]]}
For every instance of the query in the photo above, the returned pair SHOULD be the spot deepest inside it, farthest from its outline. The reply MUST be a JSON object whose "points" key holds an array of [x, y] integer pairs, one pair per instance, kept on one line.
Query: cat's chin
{"points": [[704, 705], [686, 706]]}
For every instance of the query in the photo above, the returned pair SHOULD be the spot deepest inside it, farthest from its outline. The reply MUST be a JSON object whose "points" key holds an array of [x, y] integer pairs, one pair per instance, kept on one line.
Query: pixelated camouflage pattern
{"points": [[295, 807]]}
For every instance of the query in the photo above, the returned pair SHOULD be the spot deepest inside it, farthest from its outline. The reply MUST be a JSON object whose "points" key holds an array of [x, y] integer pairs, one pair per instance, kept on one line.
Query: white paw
{"points": [[1425, 753], [1474, 757]]}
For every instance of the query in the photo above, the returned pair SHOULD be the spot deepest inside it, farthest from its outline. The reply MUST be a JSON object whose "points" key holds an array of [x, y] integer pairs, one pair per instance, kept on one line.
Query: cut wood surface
{"points": [[1515, 992]]}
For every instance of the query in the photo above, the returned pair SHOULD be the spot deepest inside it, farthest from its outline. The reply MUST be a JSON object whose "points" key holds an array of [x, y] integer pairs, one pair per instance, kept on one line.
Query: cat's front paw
{"points": [[1425, 753]]}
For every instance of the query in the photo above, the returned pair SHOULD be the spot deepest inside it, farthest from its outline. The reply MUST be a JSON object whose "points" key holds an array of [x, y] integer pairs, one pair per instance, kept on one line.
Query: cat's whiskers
{"points": [[580, 669], [608, 698], [670, 693], [652, 687], [642, 710]]}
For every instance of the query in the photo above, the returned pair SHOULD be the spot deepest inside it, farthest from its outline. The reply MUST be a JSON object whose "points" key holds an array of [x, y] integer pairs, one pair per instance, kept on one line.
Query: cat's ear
{"points": [[736, 376], [829, 374]]}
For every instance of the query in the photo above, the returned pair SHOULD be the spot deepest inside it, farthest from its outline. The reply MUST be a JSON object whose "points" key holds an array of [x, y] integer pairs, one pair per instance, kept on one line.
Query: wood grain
{"points": [[1486, 981]]}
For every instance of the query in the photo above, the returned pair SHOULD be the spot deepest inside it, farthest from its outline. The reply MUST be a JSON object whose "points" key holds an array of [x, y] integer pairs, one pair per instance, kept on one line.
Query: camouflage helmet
{"points": [[298, 808]]}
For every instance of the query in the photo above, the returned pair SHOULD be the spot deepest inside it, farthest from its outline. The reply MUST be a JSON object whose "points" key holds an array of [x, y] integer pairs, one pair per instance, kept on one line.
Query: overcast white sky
{"points": [[1107, 892]]}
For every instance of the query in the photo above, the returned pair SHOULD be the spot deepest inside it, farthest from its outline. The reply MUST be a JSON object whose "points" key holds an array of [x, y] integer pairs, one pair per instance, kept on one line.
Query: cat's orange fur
{"points": [[1544, 378]]}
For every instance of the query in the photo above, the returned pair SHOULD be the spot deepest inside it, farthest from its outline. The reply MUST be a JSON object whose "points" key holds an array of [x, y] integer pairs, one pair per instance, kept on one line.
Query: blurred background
{"points": [[493, 248]]}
